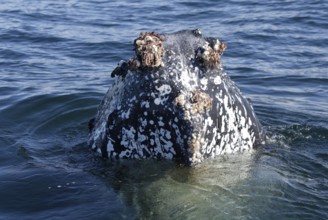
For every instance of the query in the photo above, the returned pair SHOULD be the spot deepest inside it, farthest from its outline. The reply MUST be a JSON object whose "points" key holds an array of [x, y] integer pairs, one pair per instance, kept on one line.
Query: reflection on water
{"points": [[164, 190]]}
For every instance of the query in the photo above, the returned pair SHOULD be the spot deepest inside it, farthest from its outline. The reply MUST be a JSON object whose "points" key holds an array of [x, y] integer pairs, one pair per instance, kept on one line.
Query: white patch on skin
{"points": [[213, 142], [133, 99], [217, 45], [245, 134], [128, 137], [168, 135], [120, 63], [179, 139], [223, 124], [110, 146], [144, 122], [157, 148], [209, 145], [208, 122], [203, 83], [141, 129], [100, 132], [125, 115], [163, 90], [208, 150], [217, 80], [141, 137], [161, 124], [157, 101], [186, 77], [166, 145], [169, 156], [250, 122], [145, 104], [242, 121], [234, 127]]}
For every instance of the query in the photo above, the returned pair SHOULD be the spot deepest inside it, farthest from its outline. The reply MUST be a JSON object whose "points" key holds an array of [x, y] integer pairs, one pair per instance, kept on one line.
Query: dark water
{"points": [[55, 64]]}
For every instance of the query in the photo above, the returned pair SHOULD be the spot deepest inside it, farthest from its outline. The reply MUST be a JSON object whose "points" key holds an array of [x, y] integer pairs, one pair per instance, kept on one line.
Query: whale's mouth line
{"points": [[173, 100]]}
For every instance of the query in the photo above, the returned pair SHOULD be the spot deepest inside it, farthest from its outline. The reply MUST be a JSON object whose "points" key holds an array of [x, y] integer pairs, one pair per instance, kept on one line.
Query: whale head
{"points": [[173, 100]]}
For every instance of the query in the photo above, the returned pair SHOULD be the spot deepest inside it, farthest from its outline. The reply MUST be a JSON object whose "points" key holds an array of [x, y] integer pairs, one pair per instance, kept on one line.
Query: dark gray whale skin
{"points": [[182, 108]]}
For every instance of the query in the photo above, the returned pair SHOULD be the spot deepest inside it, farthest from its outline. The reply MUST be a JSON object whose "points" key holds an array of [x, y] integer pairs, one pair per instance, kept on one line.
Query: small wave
{"points": [[298, 135], [47, 125]]}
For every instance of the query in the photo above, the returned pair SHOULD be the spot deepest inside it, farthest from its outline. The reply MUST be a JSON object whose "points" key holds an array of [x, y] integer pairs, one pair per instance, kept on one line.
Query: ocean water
{"points": [[55, 63]]}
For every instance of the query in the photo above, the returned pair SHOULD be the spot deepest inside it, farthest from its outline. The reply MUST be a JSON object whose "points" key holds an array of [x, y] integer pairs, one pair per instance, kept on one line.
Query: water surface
{"points": [[55, 63]]}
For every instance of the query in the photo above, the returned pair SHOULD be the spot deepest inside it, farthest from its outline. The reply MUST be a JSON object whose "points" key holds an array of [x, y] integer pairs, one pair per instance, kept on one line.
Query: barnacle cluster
{"points": [[149, 50], [199, 102], [209, 55], [193, 105], [195, 143]]}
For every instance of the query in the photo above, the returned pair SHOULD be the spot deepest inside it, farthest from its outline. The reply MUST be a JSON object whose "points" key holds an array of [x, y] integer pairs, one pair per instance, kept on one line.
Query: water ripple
{"points": [[55, 64]]}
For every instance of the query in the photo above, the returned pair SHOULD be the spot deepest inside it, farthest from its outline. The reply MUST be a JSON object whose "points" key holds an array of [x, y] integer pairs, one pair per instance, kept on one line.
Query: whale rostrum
{"points": [[173, 100]]}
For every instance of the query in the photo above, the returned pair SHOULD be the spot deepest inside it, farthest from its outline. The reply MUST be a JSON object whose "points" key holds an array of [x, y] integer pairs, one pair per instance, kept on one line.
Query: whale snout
{"points": [[173, 100]]}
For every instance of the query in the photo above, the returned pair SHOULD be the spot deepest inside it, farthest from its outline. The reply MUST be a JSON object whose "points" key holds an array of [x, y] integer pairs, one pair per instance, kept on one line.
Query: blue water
{"points": [[55, 63]]}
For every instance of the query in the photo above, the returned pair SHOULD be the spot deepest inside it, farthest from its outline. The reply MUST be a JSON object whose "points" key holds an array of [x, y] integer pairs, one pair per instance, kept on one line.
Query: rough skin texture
{"points": [[173, 100]]}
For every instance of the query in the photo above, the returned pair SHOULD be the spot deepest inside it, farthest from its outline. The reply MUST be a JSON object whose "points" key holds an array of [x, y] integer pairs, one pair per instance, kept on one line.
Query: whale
{"points": [[173, 100]]}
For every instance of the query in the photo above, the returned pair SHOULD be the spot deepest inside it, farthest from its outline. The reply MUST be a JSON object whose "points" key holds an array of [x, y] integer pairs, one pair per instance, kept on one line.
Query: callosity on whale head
{"points": [[173, 100]]}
